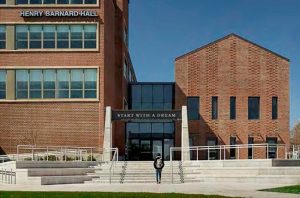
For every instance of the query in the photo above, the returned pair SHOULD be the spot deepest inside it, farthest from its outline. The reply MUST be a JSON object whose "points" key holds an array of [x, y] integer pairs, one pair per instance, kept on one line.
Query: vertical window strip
{"points": [[214, 107], [2, 37], [232, 107], [2, 84], [274, 108]]}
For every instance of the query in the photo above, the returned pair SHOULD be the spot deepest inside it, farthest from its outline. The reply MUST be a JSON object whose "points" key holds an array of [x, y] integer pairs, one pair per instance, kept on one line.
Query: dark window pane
{"points": [[76, 44], [49, 1], [22, 2], [272, 147], [147, 106], [168, 106], [76, 94], [136, 93], [49, 93], [90, 94], [90, 78], [253, 108], [169, 130], [2, 44], [63, 79], [76, 1], [136, 105], [2, 94], [146, 93], [232, 150], [274, 108], [49, 35], [22, 94], [35, 94], [157, 130], [158, 106], [145, 130], [35, 79], [250, 147], [62, 1], [232, 108], [90, 1], [193, 108], [49, 44], [35, 1], [132, 130], [2, 33], [158, 93], [63, 94], [214, 108], [22, 79], [22, 45], [90, 44], [2, 84], [2, 1], [168, 93], [62, 44], [35, 44], [49, 79]]}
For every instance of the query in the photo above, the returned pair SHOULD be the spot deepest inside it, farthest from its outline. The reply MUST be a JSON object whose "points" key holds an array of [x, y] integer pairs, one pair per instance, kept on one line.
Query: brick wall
{"points": [[233, 66]]}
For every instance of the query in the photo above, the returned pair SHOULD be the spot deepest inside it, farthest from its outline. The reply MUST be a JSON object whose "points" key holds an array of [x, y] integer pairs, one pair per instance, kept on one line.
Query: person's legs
{"points": [[159, 175]]}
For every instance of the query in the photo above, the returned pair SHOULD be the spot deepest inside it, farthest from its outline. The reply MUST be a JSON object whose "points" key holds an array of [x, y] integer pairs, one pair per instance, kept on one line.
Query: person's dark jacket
{"points": [[155, 164]]}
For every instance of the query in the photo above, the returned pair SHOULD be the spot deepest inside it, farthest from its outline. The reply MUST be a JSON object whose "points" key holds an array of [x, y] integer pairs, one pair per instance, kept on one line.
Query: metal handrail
{"points": [[113, 162], [224, 148], [8, 177]]}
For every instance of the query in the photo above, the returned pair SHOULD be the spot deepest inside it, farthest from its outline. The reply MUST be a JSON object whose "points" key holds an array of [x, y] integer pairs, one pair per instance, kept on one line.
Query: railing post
{"points": [[267, 151], [208, 153], [238, 152], [224, 151], [276, 151], [197, 153], [252, 151]]}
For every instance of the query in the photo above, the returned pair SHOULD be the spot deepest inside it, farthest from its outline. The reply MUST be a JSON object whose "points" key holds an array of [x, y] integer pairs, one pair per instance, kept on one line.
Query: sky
{"points": [[161, 30]]}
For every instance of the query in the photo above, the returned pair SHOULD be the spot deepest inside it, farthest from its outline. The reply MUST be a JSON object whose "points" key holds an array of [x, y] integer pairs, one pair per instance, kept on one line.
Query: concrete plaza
{"points": [[227, 189]]}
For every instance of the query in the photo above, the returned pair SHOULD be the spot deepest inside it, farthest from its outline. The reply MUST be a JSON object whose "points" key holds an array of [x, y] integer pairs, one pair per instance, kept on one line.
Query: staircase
{"points": [[137, 172]]}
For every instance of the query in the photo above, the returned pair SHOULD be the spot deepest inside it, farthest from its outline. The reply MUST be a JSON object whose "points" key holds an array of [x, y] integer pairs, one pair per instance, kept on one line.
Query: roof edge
{"points": [[225, 37]]}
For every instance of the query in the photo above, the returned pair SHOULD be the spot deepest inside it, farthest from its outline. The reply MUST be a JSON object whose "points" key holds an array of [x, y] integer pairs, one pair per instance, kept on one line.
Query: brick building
{"points": [[62, 62]]}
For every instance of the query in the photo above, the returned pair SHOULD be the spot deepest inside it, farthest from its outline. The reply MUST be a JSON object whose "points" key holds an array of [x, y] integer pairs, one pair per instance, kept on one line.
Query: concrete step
{"points": [[50, 164], [51, 180], [59, 171]]}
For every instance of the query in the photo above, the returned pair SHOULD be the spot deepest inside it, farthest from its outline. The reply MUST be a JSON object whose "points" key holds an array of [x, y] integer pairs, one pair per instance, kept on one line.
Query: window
{"points": [[35, 84], [35, 36], [2, 36], [272, 147], [213, 153], [253, 108], [56, 36], [70, 2], [2, 84], [214, 108], [250, 147], [2, 1], [90, 83], [274, 108], [147, 95], [60, 83], [193, 108], [21, 37], [49, 83], [158, 97], [232, 149], [125, 69], [22, 78], [232, 108]]}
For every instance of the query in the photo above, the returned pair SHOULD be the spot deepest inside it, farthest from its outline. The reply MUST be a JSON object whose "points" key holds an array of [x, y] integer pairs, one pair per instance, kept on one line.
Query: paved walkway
{"points": [[228, 189]]}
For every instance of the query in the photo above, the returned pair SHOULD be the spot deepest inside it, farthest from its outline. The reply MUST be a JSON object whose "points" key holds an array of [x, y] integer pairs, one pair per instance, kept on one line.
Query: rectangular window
{"points": [[253, 108], [2, 84], [272, 147], [52, 83], [49, 79], [193, 108], [232, 149], [274, 108], [35, 84], [213, 153], [2, 1], [22, 78], [77, 83], [232, 108], [55, 36], [214, 107], [39, 2], [35, 36], [49, 36], [2, 36], [21, 37], [250, 147], [90, 83]]}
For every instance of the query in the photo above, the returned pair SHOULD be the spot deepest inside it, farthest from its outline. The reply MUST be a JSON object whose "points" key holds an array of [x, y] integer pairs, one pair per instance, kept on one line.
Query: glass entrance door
{"points": [[145, 150], [157, 148]]}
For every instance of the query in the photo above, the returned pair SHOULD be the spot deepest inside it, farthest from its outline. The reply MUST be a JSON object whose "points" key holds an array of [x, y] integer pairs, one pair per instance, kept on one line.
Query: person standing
{"points": [[158, 165]]}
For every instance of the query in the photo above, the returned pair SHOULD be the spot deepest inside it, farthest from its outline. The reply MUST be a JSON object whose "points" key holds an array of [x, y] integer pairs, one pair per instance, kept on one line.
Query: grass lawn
{"points": [[287, 189], [7, 194]]}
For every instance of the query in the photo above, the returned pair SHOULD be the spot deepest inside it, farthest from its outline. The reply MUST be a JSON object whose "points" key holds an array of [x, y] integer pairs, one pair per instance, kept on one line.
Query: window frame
{"points": [[43, 48], [5, 36], [274, 108], [258, 110], [5, 88], [192, 110]]}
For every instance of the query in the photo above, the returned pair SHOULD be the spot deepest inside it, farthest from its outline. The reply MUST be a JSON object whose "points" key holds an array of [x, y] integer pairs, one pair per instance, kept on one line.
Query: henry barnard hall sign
{"points": [[146, 115], [53, 13]]}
